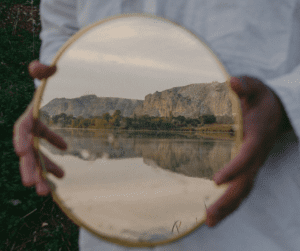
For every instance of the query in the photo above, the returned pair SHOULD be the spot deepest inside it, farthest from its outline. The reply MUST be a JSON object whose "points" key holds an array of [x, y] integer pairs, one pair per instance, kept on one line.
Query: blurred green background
{"points": [[28, 222]]}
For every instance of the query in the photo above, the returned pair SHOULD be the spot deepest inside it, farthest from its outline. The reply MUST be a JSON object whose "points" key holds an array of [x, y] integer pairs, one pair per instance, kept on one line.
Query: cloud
{"points": [[88, 59]]}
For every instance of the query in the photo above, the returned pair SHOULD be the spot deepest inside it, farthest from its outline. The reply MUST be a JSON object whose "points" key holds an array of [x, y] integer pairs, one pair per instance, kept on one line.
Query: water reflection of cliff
{"points": [[188, 154]]}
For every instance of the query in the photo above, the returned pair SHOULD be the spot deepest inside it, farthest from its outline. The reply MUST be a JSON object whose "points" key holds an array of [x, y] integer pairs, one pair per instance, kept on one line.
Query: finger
{"points": [[42, 189], [245, 86], [21, 133], [229, 201], [27, 124], [238, 86], [42, 131], [23, 139], [40, 71], [52, 168], [42, 186], [27, 169], [248, 154]]}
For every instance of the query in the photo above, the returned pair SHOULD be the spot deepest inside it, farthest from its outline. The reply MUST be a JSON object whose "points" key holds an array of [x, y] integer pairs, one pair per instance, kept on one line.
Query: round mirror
{"points": [[146, 110]]}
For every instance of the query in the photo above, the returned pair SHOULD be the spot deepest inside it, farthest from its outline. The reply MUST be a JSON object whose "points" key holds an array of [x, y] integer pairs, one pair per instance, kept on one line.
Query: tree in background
{"points": [[207, 119], [60, 118], [193, 122], [116, 118], [76, 121], [69, 120], [106, 116], [114, 121], [127, 122], [180, 121], [117, 114], [144, 121], [85, 123]]}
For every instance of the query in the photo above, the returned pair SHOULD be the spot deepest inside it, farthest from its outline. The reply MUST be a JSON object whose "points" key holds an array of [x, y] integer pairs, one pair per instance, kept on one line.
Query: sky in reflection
{"points": [[131, 58]]}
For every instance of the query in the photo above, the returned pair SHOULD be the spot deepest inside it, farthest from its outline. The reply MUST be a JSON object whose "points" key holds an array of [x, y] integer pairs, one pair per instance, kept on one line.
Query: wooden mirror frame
{"points": [[236, 110]]}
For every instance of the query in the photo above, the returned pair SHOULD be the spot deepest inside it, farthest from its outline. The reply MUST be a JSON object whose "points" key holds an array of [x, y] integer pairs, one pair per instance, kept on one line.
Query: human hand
{"points": [[264, 120], [25, 129]]}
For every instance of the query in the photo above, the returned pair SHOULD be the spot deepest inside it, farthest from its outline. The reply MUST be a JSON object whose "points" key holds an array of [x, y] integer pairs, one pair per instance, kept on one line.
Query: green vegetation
{"points": [[217, 131], [221, 128], [145, 122], [28, 222]]}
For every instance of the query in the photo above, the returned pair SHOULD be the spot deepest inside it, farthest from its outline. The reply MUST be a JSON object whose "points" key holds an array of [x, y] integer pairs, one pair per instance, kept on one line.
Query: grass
{"points": [[217, 131], [28, 222], [222, 128]]}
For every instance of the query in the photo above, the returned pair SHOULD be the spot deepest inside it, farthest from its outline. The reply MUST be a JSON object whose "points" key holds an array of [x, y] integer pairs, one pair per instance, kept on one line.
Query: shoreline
{"points": [[218, 129]]}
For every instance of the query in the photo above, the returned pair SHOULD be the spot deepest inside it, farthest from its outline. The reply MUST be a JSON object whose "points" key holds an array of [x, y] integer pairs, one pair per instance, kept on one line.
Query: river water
{"points": [[137, 185]]}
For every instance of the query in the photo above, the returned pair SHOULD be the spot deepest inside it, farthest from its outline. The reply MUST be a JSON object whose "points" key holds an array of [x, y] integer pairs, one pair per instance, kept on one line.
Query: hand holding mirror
{"points": [[149, 117]]}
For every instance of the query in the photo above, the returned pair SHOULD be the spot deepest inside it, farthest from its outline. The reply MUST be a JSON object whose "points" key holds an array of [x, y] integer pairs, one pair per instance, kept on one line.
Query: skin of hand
{"points": [[25, 128], [264, 120]]}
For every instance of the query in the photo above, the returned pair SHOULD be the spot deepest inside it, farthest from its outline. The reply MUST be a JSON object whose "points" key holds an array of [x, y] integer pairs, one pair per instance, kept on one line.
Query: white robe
{"points": [[259, 38]]}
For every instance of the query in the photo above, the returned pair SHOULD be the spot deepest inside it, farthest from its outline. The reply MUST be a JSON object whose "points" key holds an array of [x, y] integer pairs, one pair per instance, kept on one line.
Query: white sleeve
{"points": [[260, 38], [287, 87], [59, 23]]}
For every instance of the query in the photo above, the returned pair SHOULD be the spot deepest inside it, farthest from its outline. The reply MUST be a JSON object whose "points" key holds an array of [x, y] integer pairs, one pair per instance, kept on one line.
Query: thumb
{"points": [[239, 85], [40, 71], [245, 86]]}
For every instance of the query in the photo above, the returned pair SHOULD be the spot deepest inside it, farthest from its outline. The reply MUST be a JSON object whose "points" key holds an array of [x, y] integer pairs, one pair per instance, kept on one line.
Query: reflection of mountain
{"points": [[190, 101], [91, 105], [189, 156]]}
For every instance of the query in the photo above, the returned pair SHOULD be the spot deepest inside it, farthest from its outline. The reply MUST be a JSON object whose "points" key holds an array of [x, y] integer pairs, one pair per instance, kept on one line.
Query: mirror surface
{"points": [[149, 119]]}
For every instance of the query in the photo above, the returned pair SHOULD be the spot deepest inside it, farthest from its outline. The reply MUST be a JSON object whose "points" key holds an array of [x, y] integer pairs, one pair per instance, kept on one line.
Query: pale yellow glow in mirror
{"points": [[141, 175]]}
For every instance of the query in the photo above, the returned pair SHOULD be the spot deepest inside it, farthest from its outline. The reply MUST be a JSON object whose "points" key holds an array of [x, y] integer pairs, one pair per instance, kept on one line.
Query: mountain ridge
{"points": [[190, 101]]}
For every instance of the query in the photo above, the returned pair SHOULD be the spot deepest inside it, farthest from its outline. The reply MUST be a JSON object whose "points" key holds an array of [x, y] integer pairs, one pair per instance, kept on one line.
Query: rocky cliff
{"points": [[91, 105], [190, 101]]}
